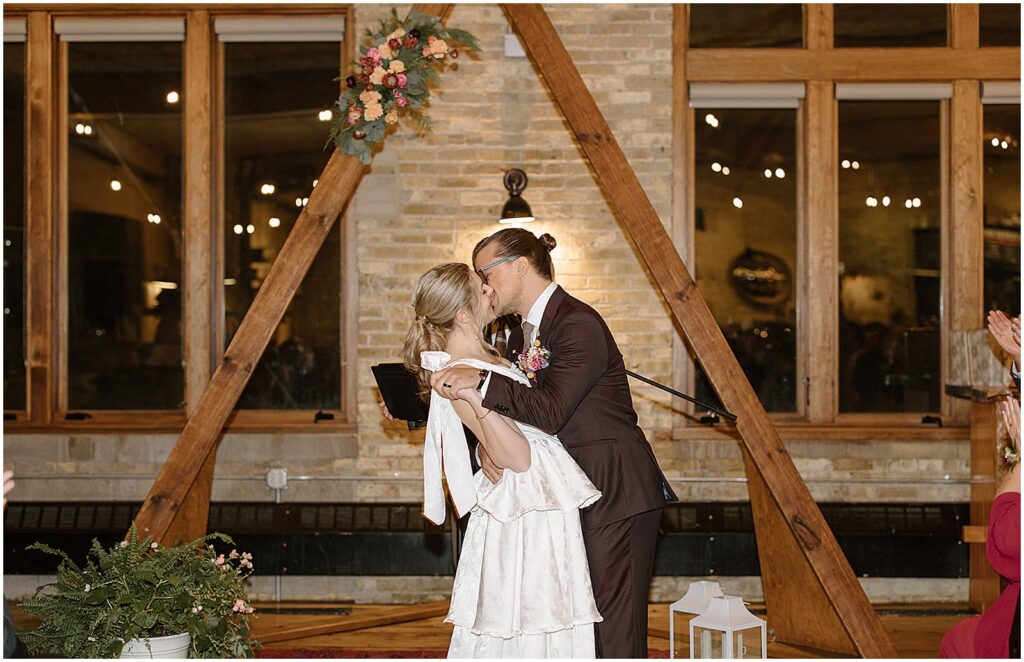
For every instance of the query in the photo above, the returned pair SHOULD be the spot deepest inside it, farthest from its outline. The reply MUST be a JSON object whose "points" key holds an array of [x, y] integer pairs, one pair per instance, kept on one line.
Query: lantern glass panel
{"points": [[708, 644], [680, 631], [746, 644]]}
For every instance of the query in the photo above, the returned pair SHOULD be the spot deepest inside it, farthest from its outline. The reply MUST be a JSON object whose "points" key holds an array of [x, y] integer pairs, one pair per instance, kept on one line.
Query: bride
{"points": [[522, 588]]}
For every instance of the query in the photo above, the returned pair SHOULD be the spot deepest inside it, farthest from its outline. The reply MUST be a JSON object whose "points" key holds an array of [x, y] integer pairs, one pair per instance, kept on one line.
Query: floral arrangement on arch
{"points": [[393, 78]]}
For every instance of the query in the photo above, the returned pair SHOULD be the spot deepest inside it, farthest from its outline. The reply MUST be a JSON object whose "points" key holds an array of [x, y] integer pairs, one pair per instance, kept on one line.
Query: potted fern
{"points": [[139, 598]]}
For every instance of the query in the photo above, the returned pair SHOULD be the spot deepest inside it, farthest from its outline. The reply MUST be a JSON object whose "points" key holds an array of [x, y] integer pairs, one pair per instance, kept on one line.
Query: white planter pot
{"points": [[174, 646]]}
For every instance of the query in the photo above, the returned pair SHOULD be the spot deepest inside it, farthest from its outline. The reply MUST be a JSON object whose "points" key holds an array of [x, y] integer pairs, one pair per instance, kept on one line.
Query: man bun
{"points": [[547, 241]]}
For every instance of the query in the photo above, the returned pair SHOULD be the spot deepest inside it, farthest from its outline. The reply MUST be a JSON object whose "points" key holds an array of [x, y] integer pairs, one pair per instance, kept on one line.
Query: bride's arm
{"points": [[501, 438]]}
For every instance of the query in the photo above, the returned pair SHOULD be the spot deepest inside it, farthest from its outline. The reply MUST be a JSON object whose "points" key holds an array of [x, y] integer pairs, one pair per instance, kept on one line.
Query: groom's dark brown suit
{"points": [[583, 397]]}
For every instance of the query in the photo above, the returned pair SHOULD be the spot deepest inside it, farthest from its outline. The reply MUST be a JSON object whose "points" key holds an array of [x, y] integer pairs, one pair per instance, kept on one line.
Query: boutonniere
{"points": [[533, 359]]}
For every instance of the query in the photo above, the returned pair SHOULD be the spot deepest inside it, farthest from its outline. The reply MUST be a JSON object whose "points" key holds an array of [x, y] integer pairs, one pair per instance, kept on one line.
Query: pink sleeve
{"points": [[1003, 546]]}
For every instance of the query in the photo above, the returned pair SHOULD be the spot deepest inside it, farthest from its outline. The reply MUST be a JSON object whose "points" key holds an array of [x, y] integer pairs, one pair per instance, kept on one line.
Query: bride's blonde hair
{"points": [[440, 294]]}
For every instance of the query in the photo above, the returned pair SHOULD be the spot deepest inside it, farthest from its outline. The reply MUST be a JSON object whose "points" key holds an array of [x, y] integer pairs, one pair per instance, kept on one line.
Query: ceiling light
{"points": [[238, 229], [909, 203], [995, 142], [780, 173], [716, 166], [325, 115], [267, 189], [172, 97], [916, 202], [737, 203], [872, 201], [115, 185], [886, 200], [725, 170], [250, 228], [1004, 144], [711, 120], [315, 182], [298, 202], [768, 173], [855, 165], [845, 163], [305, 201], [274, 222], [230, 281]]}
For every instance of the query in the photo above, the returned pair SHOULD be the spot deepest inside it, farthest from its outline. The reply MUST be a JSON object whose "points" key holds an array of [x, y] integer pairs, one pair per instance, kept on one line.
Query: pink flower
{"points": [[426, 51], [374, 54], [403, 80], [239, 605], [400, 99], [220, 560]]}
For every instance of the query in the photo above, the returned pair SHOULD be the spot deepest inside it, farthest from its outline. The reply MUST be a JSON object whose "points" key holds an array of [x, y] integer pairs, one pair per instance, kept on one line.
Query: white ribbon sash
{"points": [[445, 445]]}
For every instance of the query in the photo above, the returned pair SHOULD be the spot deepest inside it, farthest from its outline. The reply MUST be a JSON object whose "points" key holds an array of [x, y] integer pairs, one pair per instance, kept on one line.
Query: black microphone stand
{"points": [[721, 412]]}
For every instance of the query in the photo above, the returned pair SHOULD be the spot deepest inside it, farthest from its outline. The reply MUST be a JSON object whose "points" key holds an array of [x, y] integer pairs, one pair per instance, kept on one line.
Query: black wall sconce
{"points": [[516, 210]]}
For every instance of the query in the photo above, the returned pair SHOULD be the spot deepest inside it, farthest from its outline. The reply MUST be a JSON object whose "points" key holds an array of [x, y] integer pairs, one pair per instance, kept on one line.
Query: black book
{"points": [[399, 389]]}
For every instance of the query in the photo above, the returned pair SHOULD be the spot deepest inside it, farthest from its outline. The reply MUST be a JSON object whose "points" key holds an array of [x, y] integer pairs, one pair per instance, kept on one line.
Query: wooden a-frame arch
{"points": [[813, 597]]}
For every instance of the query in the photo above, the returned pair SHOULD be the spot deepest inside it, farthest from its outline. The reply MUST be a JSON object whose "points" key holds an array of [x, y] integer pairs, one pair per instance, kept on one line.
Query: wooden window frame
{"points": [[819, 65], [46, 230], [21, 415]]}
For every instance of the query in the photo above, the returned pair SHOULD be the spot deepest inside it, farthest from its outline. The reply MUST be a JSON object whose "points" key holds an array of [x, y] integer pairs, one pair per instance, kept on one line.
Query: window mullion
{"points": [[818, 316], [198, 207]]}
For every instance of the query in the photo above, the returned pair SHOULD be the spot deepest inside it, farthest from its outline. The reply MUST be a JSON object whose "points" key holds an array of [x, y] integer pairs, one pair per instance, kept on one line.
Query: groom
{"points": [[582, 397]]}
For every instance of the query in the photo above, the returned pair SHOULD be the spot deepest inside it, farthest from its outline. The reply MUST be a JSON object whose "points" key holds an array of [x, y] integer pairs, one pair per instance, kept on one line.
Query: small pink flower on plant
{"points": [[400, 99], [374, 54], [403, 80]]}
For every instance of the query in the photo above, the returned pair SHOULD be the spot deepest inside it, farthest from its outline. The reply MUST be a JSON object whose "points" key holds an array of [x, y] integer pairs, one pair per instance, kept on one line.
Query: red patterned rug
{"points": [[364, 653]]}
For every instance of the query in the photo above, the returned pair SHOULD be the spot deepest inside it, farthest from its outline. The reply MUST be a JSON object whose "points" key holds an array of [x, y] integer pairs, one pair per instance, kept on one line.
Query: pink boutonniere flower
{"points": [[533, 359]]}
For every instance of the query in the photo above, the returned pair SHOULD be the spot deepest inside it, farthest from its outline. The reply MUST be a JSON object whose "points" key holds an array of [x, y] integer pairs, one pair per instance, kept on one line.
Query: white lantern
{"points": [[727, 630], [696, 600]]}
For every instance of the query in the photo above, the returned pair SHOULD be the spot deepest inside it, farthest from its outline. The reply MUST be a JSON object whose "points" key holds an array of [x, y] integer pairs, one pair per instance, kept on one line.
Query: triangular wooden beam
{"points": [[198, 439], [787, 500]]}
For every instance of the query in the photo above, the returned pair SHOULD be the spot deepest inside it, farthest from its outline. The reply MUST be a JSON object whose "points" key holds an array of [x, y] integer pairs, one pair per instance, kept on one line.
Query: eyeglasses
{"points": [[482, 271]]}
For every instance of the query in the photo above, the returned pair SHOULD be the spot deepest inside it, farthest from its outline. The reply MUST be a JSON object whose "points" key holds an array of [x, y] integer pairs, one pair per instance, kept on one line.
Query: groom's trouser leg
{"points": [[621, 558]]}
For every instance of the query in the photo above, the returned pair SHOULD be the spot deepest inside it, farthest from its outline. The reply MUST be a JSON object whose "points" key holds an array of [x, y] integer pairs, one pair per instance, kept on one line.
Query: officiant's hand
{"points": [[384, 411], [449, 381], [1006, 331]]}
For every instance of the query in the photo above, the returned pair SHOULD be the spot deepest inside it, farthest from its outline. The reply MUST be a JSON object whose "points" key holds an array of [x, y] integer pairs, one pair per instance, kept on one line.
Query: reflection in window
{"points": [[746, 26], [274, 150], [124, 225], [1002, 208], [889, 25], [14, 225], [889, 256], [746, 243], [1000, 24]]}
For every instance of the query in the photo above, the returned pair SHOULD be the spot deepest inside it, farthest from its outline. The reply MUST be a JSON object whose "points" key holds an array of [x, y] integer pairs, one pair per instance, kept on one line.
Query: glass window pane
{"points": [[888, 25], [14, 226], [1000, 24], [124, 225], [1002, 208], [746, 243], [715, 25], [274, 149], [889, 256]]}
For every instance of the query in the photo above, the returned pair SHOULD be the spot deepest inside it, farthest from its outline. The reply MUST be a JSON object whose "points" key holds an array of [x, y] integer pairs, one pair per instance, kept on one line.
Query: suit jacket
{"points": [[583, 397]]}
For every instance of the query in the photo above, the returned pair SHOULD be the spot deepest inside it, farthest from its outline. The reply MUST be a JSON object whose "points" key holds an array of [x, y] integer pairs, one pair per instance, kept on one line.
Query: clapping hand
{"points": [[1009, 411], [8, 484], [1006, 331]]}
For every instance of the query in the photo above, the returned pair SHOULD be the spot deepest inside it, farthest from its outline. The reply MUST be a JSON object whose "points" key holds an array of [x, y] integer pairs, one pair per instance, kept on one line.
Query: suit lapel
{"points": [[515, 343], [557, 297]]}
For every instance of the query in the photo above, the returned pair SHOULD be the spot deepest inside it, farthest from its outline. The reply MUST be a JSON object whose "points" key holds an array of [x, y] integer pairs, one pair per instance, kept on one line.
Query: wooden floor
{"points": [[915, 631]]}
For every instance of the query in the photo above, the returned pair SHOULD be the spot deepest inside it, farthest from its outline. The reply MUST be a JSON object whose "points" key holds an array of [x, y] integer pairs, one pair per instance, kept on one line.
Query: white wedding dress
{"points": [[522, 587]]}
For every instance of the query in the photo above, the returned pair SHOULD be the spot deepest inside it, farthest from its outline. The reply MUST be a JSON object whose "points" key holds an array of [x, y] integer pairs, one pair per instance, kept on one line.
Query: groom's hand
{"points": [[450, 381]]}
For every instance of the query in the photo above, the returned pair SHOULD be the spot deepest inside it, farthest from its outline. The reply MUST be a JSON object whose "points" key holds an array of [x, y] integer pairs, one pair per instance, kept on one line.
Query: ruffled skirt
{"points": [[522, 588]]}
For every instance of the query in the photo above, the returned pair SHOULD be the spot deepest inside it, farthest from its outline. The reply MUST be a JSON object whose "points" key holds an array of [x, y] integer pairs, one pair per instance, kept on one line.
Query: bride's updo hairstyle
{"points": [[517, 241], [440, 294]]}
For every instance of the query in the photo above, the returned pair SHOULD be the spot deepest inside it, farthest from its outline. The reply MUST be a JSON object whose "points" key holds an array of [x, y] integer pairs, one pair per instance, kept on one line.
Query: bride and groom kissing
{"points": [[564, 513]]}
